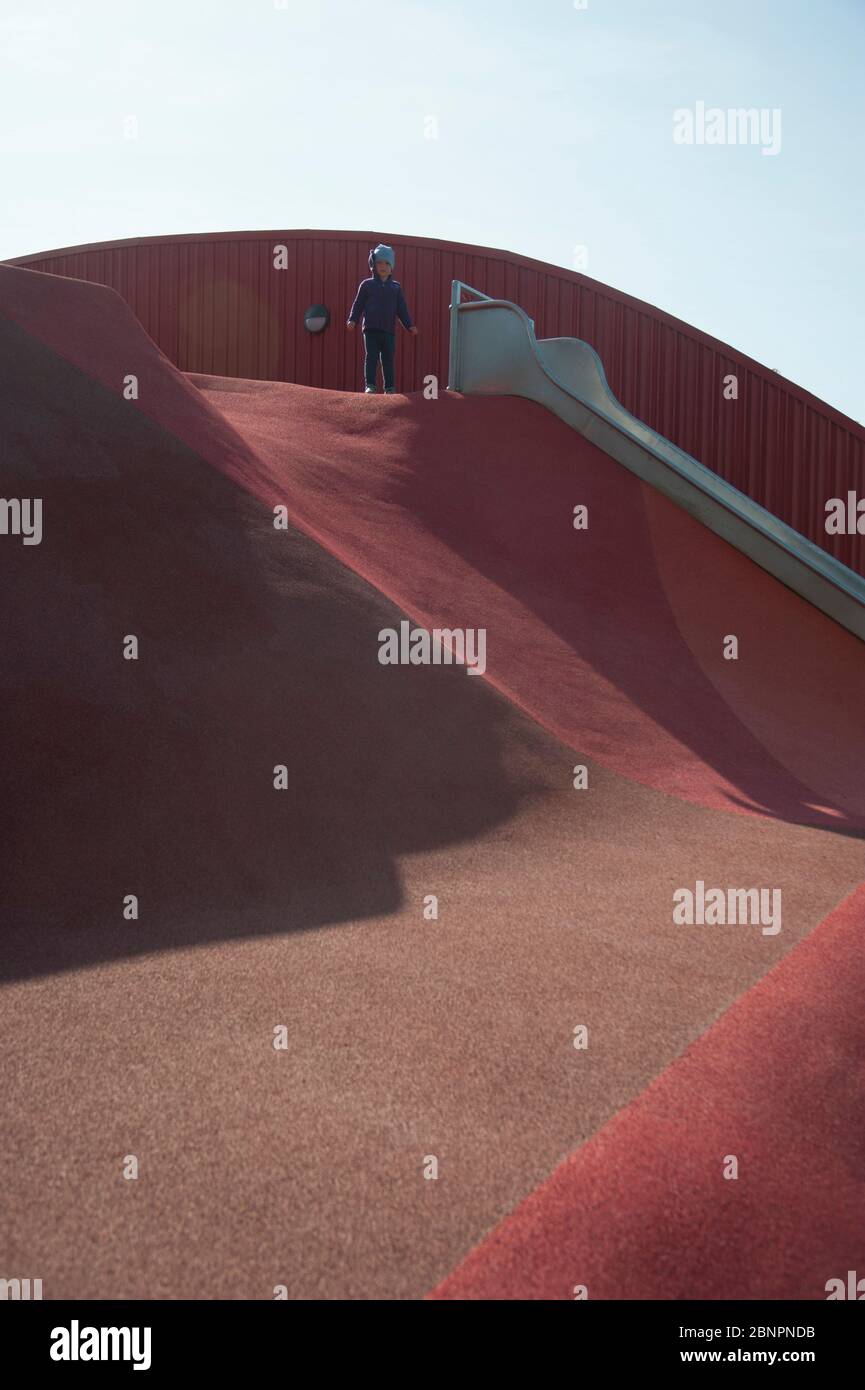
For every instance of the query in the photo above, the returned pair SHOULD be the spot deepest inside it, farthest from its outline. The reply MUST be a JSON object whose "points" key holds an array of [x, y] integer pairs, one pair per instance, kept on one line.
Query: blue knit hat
{"points": [[382, 253]]}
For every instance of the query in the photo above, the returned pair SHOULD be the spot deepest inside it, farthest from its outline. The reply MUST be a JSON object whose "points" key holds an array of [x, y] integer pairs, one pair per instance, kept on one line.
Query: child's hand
{"points": [[413, 330], [350, 326]]}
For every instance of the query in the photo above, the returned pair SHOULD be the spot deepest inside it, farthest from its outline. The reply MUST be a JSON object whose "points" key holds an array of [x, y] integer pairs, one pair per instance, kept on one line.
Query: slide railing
{"points": [[494, 351]]}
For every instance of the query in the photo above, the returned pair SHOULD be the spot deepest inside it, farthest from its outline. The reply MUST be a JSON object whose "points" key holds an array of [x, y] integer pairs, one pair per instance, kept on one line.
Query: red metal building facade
{"points": [[219, 304]]}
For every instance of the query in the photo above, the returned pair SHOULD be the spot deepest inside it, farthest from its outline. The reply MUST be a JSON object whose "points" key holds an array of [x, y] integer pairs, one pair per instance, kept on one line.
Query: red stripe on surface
{"points": [[642, 1211]]}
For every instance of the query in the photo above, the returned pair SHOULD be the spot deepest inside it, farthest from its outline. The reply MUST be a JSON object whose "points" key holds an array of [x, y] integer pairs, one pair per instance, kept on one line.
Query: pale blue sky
{"points": [[554, 130]]}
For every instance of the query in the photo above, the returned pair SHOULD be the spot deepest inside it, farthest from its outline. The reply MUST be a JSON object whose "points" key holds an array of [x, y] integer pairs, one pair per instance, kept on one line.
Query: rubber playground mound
{"points": [[388, 870]]}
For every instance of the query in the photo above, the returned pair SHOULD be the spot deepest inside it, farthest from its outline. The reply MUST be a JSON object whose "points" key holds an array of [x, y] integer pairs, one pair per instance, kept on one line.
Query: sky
{"points": [[547, 129]]}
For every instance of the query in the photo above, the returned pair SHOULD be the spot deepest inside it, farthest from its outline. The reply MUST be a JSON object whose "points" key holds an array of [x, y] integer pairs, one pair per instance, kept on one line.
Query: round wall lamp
{"points": [[316, 318]]}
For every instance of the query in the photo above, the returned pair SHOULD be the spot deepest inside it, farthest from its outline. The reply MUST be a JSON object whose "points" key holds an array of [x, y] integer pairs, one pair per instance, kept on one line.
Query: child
{"points": [[381, 301]]}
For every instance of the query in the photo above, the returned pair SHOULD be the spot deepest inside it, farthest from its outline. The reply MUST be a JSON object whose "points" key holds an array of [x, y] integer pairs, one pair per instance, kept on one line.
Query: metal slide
{"points": [[494, 351]]}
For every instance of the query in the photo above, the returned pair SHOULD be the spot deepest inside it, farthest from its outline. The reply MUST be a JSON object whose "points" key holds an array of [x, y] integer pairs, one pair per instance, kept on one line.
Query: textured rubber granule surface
{"points": [[305, 907]]}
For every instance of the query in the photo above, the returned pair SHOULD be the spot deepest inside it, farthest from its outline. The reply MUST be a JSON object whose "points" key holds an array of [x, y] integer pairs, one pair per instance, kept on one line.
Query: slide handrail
{"points": [[458, 288]]}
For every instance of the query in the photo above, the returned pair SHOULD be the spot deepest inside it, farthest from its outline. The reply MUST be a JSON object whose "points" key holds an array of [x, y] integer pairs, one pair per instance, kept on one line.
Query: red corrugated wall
{"points": [[216, 304]]}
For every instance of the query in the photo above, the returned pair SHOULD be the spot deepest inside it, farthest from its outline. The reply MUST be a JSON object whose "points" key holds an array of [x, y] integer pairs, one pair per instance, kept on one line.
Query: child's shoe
{"points": [[369, 390], [390, 390]]}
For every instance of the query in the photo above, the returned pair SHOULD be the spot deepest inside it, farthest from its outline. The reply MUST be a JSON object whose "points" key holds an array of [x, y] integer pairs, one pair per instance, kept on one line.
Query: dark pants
{"points": [[378, 344]]}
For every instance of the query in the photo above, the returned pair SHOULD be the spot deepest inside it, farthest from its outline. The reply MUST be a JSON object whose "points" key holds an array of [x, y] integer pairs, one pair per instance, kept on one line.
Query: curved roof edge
{"points": [[512, 257]]}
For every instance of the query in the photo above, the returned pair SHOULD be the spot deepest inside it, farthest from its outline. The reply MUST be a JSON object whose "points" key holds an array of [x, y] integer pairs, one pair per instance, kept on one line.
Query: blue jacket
{"points": [[381, 302]]}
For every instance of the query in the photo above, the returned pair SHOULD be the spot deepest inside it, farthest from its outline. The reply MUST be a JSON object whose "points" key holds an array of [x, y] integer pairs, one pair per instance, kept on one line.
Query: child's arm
{"points": [[403, 314], [359, 302]]}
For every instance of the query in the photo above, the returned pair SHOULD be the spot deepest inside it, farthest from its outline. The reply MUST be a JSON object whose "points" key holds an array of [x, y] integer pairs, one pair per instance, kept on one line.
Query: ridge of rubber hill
{"points": [[93, 328], [612, 638], [652, 1206]]}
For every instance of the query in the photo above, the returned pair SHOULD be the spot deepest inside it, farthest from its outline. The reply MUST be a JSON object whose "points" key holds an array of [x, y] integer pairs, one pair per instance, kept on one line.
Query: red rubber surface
{"points": [[304, 908], [461, 510]]}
